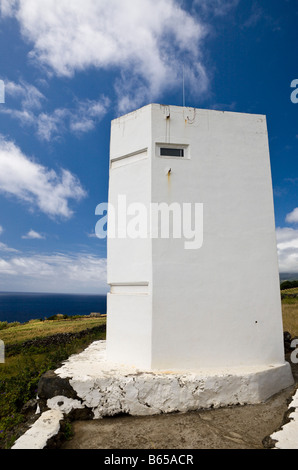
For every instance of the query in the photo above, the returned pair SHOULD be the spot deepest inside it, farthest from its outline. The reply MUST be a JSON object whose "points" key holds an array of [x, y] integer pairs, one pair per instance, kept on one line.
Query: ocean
{"points": [[22, 307]]}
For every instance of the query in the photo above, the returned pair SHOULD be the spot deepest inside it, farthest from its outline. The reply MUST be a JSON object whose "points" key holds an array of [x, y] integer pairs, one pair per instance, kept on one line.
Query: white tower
{"points": [[211, 307]]}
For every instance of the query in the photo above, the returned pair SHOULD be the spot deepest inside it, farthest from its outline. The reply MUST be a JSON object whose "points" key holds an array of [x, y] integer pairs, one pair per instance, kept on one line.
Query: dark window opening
{"points": [[171, 152]]}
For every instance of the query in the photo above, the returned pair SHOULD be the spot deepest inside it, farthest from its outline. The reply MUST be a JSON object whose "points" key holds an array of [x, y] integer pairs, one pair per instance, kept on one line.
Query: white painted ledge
{"points": [[287, 436], [37, 437]]}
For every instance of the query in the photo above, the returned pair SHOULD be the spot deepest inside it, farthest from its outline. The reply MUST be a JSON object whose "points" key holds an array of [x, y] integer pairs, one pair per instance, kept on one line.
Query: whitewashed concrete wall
{"points": [[218, 306], [129, 260]]}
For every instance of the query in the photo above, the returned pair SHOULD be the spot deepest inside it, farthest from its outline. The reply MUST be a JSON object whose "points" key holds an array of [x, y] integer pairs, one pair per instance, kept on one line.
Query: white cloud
{"points": [[25, 117], [287, 248], [256, 15], [7, 7], [35, 184], [5, 269], [216, 7], [49, 125], [145, 41], [32, 235], [78, 273], [292, 217], [4, 247], [87, 113], [80, 118], [30, 97], [91, 235]]}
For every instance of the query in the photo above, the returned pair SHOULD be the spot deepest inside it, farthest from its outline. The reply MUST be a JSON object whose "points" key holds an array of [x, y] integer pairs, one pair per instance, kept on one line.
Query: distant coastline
{"points": [[25, 306]]}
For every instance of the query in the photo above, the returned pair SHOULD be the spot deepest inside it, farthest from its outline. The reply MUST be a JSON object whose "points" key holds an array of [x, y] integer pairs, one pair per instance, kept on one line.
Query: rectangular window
{"points": [[171, 152]]}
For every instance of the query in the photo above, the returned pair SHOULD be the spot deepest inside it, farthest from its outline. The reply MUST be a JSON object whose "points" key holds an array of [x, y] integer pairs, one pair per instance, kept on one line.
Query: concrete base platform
{"points": [[109, 389], [86, 381]]}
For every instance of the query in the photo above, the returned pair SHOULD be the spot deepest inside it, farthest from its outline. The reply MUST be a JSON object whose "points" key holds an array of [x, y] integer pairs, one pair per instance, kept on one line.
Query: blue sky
{"points": [[71, 67]]}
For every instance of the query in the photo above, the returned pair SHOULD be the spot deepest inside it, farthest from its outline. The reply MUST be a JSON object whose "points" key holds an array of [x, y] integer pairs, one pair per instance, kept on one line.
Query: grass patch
{"points": [[290, 315], [30, 355], [38, 329], [293, 290]]}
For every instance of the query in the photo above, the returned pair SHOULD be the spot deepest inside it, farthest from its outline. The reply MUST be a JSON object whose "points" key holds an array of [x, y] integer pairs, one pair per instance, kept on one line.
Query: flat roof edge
{"points": [[207, 110]]}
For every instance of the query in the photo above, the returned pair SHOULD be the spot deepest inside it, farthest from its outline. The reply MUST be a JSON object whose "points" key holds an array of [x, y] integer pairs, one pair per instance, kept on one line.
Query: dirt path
{"points": [[237, 427]]}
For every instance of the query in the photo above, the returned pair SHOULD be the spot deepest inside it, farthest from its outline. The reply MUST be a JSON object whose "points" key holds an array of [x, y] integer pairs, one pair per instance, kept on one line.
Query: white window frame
{"points": [[183, 147]]}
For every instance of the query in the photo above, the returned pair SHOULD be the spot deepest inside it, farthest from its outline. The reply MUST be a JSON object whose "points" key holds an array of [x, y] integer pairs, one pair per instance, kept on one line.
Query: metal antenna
{"points": [[183, 81]]}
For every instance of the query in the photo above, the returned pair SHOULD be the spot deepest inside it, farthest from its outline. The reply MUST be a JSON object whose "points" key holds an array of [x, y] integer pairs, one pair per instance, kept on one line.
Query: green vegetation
{"points": [[31, 349], [290, 310], [290, 317], [288, 285], [289, 298], [38, 328], [286, 292]]}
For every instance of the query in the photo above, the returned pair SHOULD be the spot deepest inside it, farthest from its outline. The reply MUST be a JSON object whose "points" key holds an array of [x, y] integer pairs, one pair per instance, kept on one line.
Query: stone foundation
{"points": [[88, 381]]}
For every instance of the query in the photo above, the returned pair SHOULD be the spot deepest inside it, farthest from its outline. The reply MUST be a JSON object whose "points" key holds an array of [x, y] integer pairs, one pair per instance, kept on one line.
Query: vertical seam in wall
{"points": [[151, 153], [272, 195]]}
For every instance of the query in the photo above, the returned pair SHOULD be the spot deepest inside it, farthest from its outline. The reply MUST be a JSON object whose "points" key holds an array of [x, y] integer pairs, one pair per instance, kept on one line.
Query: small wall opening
{"points": [[170, 152], [164, 150]]}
